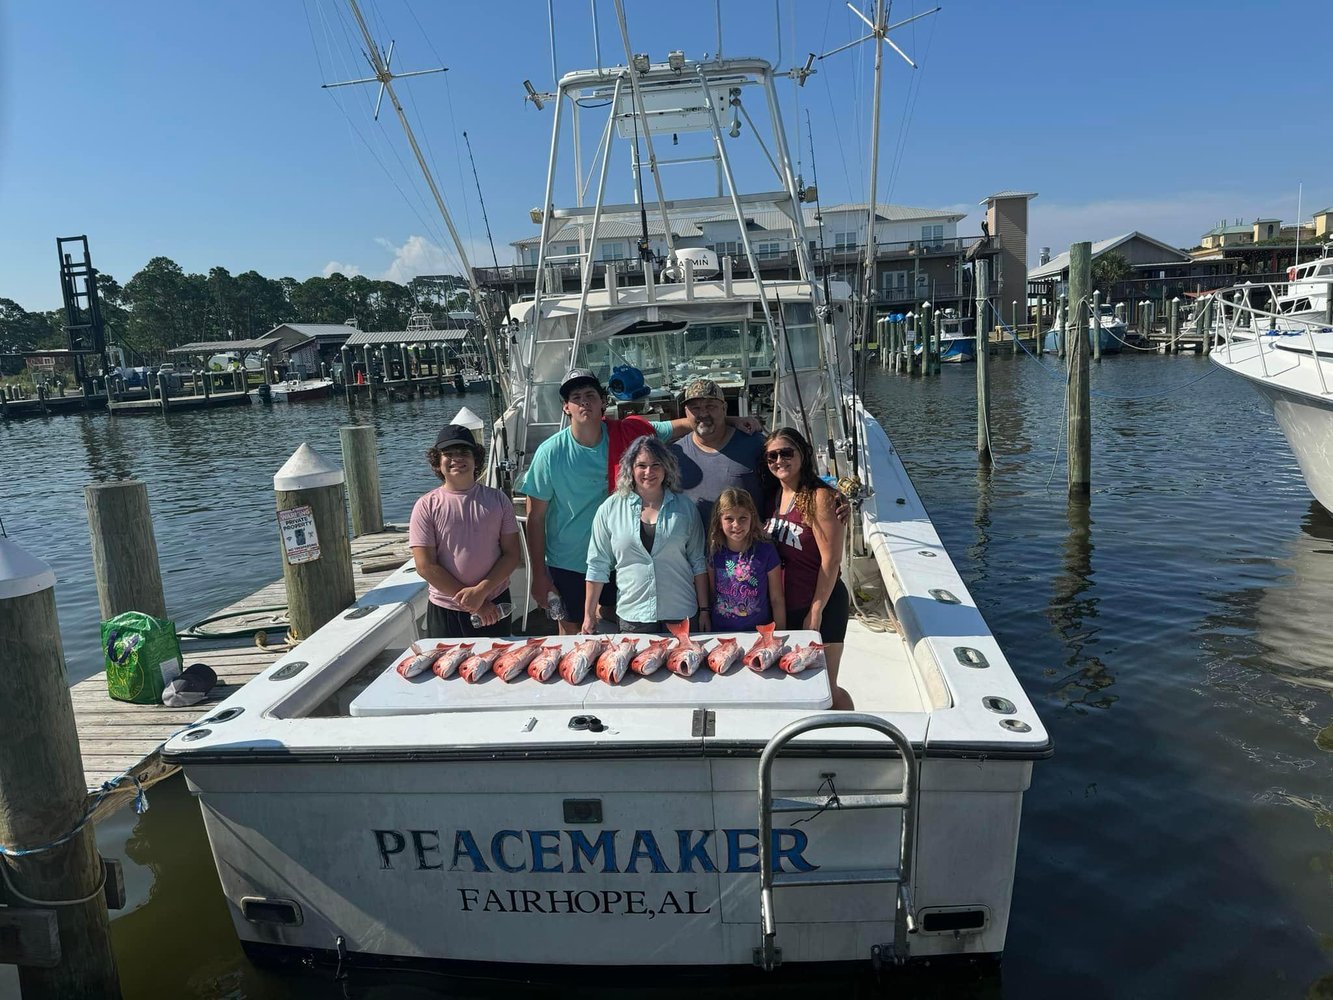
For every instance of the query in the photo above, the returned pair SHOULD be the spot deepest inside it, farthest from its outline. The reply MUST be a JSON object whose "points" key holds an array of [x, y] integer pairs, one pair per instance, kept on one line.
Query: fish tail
{"points": [[680, 629]]}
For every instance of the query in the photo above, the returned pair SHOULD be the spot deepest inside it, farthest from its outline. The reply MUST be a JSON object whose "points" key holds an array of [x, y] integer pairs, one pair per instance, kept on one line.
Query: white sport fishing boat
{"points": [[1286, 352], [721, 820]]}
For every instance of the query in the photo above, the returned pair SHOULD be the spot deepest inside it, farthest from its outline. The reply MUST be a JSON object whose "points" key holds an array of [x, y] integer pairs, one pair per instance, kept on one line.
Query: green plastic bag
{"points": [[142, 657]]}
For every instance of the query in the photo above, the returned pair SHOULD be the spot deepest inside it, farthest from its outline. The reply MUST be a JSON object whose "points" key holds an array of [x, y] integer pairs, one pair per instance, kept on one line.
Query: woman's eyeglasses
{"points": [[779, 453]]}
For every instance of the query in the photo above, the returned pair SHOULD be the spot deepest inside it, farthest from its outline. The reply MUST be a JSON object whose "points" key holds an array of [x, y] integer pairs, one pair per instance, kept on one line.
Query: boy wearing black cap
{"points": [[464, 541]]}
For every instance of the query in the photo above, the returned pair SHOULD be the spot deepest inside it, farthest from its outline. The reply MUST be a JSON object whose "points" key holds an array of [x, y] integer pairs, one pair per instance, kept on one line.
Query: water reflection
{"points": [[1292, 618], [1072, 611]]}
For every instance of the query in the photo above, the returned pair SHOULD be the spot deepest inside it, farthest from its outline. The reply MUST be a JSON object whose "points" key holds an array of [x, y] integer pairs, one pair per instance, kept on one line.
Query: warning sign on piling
{"points": [[299, 540]]}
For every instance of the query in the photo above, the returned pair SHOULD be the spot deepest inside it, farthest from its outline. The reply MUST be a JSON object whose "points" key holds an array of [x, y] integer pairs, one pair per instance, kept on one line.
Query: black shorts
{"points": [[446, 623], [833, 624], [653, 628], [570, 586]]}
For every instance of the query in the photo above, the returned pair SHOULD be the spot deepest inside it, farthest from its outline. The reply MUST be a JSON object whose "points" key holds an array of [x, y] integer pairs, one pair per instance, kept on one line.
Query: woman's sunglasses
{"points": [[779, 453]]}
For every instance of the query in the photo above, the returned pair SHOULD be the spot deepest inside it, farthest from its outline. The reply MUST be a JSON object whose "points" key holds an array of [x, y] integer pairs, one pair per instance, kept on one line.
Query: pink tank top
{"points": [[795, 541]]}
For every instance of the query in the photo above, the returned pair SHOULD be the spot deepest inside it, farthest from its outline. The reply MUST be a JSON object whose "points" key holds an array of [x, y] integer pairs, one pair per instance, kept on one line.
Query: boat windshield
{"points": [[671, 358]]}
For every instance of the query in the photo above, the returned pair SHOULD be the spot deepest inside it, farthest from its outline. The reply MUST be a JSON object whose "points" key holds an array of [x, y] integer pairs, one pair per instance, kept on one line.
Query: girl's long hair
{"points": [[808, 481], [730, 499]]}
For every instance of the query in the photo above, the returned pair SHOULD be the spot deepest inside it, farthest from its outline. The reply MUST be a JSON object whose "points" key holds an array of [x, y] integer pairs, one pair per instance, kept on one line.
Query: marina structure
{"points": [[734, 810]]}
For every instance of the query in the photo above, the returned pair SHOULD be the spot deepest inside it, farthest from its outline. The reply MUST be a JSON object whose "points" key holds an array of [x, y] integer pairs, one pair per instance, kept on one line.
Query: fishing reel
{"points": [[854, 490]]}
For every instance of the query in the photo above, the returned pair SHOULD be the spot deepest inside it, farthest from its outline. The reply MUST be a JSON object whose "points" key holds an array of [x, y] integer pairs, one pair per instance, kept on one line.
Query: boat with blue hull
{"points": [[1112, 333]]}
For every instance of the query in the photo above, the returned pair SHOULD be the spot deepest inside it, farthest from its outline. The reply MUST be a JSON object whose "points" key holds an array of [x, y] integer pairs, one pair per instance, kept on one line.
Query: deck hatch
{"points": [[703, 722]]}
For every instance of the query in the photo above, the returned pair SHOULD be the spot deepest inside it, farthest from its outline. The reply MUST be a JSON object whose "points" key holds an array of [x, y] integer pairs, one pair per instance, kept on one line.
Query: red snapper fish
{"points": [[652, 657], [421, 660], [688, 653], [511, 665], [723, 655], [475, 667], [767, 651], [449, 661], [544, 664], [613, 663], [802, 658], [575, 664]]}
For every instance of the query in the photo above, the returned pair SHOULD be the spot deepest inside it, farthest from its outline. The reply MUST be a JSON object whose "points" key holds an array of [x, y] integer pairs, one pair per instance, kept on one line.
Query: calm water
{"points": [[1173, 634]]}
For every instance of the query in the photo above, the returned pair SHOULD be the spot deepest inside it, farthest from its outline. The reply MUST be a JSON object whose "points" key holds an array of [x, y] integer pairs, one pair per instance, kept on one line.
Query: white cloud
{"points": [[337, 267], [1178, 219]]}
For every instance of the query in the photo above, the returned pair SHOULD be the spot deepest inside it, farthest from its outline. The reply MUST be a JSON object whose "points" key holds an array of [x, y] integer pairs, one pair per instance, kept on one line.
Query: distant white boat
{"points": [[300, 390], [1286, 353]]}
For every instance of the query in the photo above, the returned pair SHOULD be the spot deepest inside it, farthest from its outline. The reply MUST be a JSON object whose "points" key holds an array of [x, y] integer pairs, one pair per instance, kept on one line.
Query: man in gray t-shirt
{"points": [[715, 457]]}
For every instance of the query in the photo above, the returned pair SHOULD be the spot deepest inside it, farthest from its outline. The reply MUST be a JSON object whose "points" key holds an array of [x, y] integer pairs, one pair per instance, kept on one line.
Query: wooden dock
{"points": [[116, 737], [131, 407]]}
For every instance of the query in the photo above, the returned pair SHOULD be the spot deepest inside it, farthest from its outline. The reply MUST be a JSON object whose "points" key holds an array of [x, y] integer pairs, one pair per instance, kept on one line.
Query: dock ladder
{"points": [[768, 955]]}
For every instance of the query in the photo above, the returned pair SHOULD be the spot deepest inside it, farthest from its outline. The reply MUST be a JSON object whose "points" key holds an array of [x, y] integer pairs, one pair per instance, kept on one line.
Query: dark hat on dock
{"points": [[577, 378], [191, 687], [456, 434]]}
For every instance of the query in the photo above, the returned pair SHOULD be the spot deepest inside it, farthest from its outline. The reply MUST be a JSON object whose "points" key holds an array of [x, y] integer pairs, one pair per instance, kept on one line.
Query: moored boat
{"points": [[716, 820], [300, 390], [1287, 356], [1112, 333]]}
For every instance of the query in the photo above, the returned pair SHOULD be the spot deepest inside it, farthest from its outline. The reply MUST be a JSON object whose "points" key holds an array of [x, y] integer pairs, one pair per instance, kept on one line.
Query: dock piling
{"points": [[1079, 410], [120, 528], [1173, 321], [317, 553], [361, 464], [1095, 327], [55, 926], [983, 366]]}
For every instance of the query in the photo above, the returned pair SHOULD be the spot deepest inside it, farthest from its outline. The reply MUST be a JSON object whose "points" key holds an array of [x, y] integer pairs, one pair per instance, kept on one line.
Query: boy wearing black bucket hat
{"points": [[464, 541]]}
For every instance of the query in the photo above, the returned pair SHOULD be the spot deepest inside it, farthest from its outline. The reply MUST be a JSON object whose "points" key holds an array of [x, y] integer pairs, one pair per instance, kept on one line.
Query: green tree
{"points": [[1108, 269]]}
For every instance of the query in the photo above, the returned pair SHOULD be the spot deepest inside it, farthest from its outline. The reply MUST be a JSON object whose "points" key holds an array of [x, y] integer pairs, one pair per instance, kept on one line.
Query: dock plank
{"points": [[118, 737]]}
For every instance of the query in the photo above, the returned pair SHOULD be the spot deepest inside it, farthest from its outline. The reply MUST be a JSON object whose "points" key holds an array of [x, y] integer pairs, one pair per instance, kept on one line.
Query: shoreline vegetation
{"points": [[162, 306]]}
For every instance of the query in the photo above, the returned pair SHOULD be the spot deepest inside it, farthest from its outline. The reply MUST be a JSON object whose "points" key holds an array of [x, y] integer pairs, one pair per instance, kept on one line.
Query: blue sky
{"points": [[199, 131]]}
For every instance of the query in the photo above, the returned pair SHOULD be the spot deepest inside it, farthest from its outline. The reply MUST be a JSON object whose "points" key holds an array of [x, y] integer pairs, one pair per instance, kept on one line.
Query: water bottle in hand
{"points": [[505, 611], [555, 607]]}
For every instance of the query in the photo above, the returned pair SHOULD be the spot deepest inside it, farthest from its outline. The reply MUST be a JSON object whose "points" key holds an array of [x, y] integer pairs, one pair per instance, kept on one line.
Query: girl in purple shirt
{"points": [[744, 569]]}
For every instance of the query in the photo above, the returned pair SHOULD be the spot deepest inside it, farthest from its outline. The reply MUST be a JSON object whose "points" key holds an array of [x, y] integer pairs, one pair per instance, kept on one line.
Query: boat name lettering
{"points": [[606, 902], [608, 852]]}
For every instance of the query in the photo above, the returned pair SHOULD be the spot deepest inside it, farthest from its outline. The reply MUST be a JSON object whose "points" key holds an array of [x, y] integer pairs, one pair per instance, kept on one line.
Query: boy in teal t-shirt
{"points": [[565, 484]]}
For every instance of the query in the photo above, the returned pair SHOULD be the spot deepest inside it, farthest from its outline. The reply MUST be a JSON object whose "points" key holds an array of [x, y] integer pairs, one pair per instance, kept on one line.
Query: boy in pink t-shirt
{"points": [[464, 539]]}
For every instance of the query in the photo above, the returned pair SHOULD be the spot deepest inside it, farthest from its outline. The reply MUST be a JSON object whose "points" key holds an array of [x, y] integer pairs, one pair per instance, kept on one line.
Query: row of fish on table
{"points": [[610, 659]]}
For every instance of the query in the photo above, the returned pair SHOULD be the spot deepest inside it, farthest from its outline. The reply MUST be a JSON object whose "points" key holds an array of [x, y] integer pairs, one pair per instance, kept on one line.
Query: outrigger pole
{"points": [[879, 31], [385, 77]]}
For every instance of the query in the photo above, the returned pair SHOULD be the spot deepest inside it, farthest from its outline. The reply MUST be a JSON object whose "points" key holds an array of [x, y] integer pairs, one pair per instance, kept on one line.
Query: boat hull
{"points": [[303, 392], [1110, 342], [1307, 423], [453, 861]]}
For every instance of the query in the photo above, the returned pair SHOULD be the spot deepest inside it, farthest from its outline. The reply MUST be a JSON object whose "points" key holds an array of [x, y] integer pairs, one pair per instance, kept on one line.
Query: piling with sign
{"points": [[54, 925], [1079, 411], [316, 550]]}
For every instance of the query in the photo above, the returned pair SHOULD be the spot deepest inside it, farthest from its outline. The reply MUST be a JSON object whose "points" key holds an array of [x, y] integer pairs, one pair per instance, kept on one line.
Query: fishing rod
{"points": [[481, 198], [791, 362], [847, 421]]}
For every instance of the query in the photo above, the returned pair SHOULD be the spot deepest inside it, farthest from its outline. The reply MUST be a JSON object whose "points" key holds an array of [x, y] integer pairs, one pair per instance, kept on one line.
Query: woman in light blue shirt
{"points": [[651, 535]]}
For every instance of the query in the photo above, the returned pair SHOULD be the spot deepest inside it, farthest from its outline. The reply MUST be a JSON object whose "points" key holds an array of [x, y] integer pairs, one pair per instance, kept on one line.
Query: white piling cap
{"points": [[466, 418], [20, 573], [306, 470]]}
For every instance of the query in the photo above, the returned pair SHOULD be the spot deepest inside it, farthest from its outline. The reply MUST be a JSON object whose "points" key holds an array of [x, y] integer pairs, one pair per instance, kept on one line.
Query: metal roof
{"points": [[318, 329], [889, 213], [1007, 194], [224, 346], [1057, 264], [379, 338]]}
